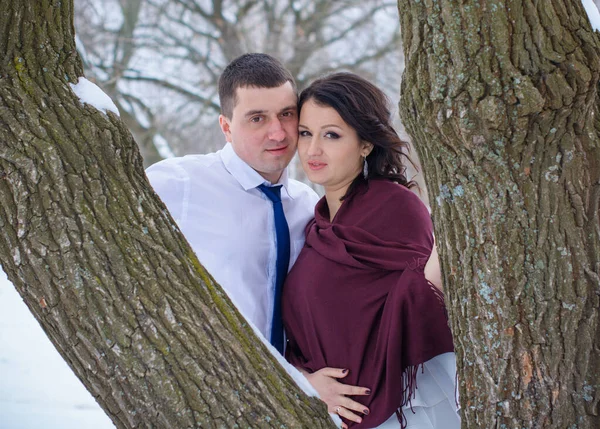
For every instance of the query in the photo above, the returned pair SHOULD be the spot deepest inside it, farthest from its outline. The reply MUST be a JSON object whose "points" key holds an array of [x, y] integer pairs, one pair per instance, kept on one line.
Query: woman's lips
{"points": [[316, 165]]}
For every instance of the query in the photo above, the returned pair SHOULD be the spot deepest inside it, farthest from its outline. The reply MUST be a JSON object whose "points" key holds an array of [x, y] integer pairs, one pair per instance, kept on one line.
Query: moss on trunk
{"points": [[102, 265]]}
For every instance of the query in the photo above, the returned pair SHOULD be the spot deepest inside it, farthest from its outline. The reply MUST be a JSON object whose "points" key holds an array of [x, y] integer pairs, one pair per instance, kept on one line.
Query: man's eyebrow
{"points": [[254, 112], [290, 107], [262, 111]]}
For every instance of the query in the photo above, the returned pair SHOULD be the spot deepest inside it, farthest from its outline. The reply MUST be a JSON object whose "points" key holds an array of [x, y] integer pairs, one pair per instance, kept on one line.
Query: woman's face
{"points": [[330, 150]]}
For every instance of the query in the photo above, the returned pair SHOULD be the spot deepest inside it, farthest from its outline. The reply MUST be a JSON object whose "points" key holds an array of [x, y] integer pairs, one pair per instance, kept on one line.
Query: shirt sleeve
{"points": [[171, 182]]}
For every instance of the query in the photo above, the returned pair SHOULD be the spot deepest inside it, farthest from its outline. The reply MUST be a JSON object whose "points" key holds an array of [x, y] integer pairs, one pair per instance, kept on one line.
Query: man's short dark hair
{"points": [[250, 70]]}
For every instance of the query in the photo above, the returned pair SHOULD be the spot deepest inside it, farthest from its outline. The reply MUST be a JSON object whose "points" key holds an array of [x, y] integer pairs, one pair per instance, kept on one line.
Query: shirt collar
{"points": [[247, 177]]}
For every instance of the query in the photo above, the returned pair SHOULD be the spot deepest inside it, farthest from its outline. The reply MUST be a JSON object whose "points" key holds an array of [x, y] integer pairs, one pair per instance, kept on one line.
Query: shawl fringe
{"points": [[409, 376], [409, 387], [440, 297]]}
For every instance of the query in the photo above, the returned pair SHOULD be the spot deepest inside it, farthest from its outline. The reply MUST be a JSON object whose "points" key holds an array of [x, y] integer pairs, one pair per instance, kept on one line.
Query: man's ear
{"points": [[225, 127]]}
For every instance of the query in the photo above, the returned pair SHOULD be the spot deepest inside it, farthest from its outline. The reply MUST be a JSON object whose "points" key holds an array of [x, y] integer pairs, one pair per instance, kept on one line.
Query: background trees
{"points": [[160, 59]]}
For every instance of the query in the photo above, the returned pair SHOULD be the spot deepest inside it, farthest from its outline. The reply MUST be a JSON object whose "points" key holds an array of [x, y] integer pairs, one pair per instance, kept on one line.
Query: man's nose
{"points": [[276, 131]]}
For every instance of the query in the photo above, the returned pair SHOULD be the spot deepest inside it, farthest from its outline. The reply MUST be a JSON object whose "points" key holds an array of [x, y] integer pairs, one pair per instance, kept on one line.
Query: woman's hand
{"points": [[335, 394]]}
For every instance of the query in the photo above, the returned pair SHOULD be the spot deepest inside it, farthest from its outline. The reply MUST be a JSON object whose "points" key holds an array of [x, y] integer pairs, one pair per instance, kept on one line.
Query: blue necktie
{"points": [[282, 233]]}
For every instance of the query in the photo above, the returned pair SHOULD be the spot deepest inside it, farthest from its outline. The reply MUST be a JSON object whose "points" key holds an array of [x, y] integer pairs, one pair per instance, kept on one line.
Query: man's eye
{"points": [[287, 114], [256, 119]]}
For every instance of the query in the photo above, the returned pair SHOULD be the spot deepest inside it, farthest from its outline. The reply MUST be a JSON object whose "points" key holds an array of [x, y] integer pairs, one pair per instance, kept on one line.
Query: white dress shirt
{"points": [[230, 224]]}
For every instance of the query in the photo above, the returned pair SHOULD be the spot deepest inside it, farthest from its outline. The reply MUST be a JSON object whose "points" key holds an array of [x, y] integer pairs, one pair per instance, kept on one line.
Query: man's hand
{"points": [[335, 394]]}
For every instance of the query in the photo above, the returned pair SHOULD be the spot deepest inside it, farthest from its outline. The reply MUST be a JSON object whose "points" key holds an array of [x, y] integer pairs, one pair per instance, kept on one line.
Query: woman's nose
{"points": [[313, 147]]}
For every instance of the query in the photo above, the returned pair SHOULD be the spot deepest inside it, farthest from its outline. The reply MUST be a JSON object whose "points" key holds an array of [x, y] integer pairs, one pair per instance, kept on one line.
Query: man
{"points": [[230, 222], [223, 201]]}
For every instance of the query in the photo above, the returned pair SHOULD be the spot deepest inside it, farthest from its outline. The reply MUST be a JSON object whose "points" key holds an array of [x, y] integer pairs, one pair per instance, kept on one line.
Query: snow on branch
{"points": [[91, 93]]}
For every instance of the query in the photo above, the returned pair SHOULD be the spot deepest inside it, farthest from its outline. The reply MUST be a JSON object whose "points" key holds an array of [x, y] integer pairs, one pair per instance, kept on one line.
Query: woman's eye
{"points": [[302, 133], [332, 135]]}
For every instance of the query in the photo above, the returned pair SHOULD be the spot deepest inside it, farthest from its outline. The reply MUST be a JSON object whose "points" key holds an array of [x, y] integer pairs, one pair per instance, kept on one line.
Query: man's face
{"points": [[263, 128]]}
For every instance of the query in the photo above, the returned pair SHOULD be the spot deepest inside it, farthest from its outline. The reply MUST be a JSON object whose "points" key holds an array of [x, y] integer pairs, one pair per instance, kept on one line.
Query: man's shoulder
{"points": [[188, 161], [187, 166]]}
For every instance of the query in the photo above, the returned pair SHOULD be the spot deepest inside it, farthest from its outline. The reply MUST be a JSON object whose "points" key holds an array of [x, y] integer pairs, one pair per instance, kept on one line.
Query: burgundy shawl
{"points": [[357, 297]]}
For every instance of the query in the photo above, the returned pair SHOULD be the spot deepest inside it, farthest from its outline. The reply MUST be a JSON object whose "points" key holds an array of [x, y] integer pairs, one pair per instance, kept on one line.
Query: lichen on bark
{"points": [[501, 101]]}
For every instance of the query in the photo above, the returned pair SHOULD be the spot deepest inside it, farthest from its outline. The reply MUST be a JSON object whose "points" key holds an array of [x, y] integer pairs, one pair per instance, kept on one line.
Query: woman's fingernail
{"points": [[368, 391], [366, 412], [344, 371]]}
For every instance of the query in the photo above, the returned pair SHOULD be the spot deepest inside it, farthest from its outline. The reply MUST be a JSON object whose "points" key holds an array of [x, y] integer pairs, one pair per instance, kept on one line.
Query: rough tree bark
{"points": [[501, 101], [101, 264]]}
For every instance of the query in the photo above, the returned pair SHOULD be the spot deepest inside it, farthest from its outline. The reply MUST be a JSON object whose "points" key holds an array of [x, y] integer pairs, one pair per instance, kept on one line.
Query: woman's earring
{"points": [[365, 168]]}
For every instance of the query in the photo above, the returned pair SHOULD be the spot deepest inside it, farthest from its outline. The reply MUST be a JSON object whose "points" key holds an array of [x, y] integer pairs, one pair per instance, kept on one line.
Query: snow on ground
{"points": [[37, 388]]}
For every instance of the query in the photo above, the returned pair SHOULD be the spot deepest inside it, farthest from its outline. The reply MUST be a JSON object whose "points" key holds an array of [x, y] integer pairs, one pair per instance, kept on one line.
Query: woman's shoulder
{"points": [[397, 195], [399, 211]]}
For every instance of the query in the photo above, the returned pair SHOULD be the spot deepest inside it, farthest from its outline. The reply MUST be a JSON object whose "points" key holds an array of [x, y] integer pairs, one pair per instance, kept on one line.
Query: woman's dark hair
{"points": [[365, 108]]}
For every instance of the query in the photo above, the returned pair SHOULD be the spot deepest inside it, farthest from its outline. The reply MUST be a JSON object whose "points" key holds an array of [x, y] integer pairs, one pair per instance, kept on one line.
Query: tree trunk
{"points": [[501, 101], [102, 265]]}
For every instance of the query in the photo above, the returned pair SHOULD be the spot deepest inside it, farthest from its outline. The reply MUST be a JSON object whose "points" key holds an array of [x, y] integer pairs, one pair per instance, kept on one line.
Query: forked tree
{"points": [[501, 100]]}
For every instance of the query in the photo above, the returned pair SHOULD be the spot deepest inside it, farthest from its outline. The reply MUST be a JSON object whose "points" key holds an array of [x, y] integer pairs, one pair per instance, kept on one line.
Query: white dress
{"points": [[434, 405]]}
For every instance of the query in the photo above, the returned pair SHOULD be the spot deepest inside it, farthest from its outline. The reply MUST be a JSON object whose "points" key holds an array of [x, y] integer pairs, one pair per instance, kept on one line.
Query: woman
{"points": [[356, 304]]}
